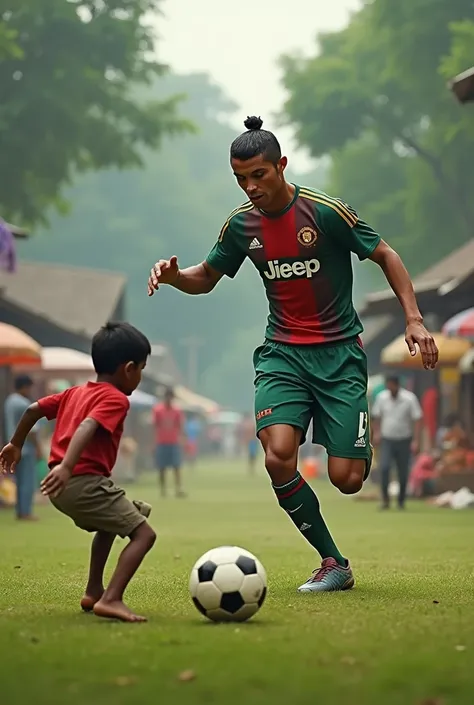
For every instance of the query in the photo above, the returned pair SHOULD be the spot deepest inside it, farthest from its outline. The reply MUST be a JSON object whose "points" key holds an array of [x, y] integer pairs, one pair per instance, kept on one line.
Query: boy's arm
{"points": [[54, 482], [109, 413], [82, 437], [10, 455], [31, 416]]}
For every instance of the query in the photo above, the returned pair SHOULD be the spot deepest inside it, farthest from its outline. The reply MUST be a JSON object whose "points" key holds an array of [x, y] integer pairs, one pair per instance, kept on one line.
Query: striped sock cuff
{"points": [[289, 488]]}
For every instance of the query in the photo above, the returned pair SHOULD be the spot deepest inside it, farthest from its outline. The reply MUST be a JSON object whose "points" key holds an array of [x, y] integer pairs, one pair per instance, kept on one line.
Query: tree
{"points": [[374, 98], [69, 72], [126, 220]]}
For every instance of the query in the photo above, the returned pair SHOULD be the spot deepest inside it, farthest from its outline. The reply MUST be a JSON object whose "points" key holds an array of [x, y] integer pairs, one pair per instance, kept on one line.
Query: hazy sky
{"points": [[239, 43]]}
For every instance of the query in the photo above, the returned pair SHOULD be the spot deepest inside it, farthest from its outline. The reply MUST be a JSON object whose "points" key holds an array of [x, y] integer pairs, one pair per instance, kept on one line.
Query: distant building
{"points": [[463, 86], [442, 290], [163, 366], [59, 305]]}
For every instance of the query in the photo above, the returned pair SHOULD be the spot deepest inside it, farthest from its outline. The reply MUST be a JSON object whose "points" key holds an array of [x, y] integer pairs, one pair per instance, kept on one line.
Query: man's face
{"points": [[261, 180], [393, 387]]}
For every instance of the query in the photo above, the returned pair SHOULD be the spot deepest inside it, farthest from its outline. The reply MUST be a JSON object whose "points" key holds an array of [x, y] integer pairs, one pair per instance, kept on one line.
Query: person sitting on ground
{"points": [[423, 474]]}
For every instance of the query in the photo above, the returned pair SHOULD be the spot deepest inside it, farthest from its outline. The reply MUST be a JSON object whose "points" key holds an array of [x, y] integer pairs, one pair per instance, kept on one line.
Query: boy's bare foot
{"points": [[116, 610], [89, 600]]}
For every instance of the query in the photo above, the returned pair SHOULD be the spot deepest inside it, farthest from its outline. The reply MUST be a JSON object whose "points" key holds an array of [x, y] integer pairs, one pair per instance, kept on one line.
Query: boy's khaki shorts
{"points": [[95, 503]]}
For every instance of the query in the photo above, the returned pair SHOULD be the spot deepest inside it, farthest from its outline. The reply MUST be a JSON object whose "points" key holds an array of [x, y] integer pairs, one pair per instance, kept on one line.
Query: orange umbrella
{"points": [[18, 348]]}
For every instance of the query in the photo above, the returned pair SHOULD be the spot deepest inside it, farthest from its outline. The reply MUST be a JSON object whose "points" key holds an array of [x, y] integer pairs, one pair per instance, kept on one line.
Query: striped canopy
{"points": [[461, 325]]}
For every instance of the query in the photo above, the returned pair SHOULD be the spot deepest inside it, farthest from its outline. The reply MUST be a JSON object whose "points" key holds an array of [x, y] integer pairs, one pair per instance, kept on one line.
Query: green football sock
{"points": [[302, 506]]}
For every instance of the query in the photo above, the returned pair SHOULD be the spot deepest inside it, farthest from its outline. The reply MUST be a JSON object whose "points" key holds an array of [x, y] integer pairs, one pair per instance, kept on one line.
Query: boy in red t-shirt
{"points": [[84, 446], [169, 429]]}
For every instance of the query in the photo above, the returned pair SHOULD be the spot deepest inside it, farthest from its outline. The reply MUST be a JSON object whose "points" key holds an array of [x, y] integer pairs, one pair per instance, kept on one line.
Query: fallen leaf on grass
{"points": [[186, 676], [17, 567], [348, 661], [34, 640], [431, 701], [460, 647], [436, 602], [124, 680]]}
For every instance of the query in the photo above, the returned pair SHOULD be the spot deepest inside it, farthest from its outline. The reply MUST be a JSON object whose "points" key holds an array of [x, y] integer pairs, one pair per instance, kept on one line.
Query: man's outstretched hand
{"points": [[165, 271], [416, 334]]}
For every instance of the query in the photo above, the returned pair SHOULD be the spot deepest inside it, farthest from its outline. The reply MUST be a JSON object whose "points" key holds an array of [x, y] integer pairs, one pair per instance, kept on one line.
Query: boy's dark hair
{"points": [[393, 379], [256, 141], [116, 344], [22, 381]]}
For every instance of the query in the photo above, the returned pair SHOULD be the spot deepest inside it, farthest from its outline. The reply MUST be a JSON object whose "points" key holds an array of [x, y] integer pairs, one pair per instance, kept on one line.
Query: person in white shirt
{"points": [[396, 427]]}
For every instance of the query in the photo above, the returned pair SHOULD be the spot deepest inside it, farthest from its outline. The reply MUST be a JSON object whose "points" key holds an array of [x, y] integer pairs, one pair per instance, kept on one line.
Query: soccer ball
{"points": [[228, 584]]}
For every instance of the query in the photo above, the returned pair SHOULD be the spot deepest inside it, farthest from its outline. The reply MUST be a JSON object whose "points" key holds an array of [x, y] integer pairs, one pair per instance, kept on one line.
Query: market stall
{"points": [[16, 347]]}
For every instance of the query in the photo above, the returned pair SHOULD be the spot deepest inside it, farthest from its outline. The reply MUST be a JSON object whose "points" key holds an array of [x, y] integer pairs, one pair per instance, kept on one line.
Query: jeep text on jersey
{"points": [[293, 270]]}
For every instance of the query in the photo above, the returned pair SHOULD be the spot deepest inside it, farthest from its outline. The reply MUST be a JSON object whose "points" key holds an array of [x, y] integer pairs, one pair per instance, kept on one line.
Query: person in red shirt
{"points": [[84, 446], [169, 431]]}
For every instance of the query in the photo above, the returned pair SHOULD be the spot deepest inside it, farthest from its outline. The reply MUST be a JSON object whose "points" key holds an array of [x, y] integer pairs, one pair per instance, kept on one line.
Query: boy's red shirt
{"points": [[100, 401]]}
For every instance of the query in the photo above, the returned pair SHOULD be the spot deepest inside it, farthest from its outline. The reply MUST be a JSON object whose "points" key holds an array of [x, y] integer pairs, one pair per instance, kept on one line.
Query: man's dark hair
{"points": [[254, 142], [22, 381], [116, 344], [394, 379]]}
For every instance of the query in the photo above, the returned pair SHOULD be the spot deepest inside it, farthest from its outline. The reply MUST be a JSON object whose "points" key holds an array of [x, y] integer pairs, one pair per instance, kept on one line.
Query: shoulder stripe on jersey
{"points": [[336, 205], [329, 199], [247, 206], [242, 205]]}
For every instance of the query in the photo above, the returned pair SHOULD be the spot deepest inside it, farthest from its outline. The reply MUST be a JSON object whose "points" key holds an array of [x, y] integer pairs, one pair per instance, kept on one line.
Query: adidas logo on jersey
{"points": [[255, 244], [285, 270]]}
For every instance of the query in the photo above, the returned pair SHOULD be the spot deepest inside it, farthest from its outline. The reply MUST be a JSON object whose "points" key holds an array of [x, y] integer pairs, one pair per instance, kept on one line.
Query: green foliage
{"points": [[68, 72], [374, 98], [126, 220]]}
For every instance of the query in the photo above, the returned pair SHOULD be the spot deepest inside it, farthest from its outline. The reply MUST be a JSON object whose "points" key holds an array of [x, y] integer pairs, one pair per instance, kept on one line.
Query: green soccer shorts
{"points": [[326, 383]]}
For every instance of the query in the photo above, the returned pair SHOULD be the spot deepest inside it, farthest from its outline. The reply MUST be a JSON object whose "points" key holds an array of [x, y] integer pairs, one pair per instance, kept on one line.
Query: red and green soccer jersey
{"points": [[303, 255]]}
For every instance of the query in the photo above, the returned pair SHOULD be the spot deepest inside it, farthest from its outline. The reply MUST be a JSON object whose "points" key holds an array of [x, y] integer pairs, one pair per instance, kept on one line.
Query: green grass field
{"points": [[404, 635]]}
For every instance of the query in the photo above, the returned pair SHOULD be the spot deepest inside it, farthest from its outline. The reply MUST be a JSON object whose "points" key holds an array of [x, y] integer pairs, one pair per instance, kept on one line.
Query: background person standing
{"points": [[168, 421], [25, 472], [397, 423]]}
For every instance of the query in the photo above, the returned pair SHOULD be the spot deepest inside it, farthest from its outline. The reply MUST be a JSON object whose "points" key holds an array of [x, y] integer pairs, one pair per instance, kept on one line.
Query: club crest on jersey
{"points": [[307, 236]]}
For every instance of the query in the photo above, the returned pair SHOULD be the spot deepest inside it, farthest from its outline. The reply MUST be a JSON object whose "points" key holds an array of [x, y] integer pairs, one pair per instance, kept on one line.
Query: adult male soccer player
{"points": [[311, 365]]}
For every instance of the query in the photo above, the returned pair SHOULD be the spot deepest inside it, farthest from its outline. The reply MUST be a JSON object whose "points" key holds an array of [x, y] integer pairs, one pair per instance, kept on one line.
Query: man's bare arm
{"points": [[399, 279], [199, 279]]}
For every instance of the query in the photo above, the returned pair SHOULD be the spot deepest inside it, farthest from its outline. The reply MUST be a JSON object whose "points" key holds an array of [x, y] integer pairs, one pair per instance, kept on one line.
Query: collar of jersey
{"points": [[286, 208]]}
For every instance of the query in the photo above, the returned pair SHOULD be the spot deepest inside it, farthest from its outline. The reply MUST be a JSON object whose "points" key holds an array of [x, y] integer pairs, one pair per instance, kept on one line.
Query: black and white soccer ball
{"points": [[228, 584]]}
